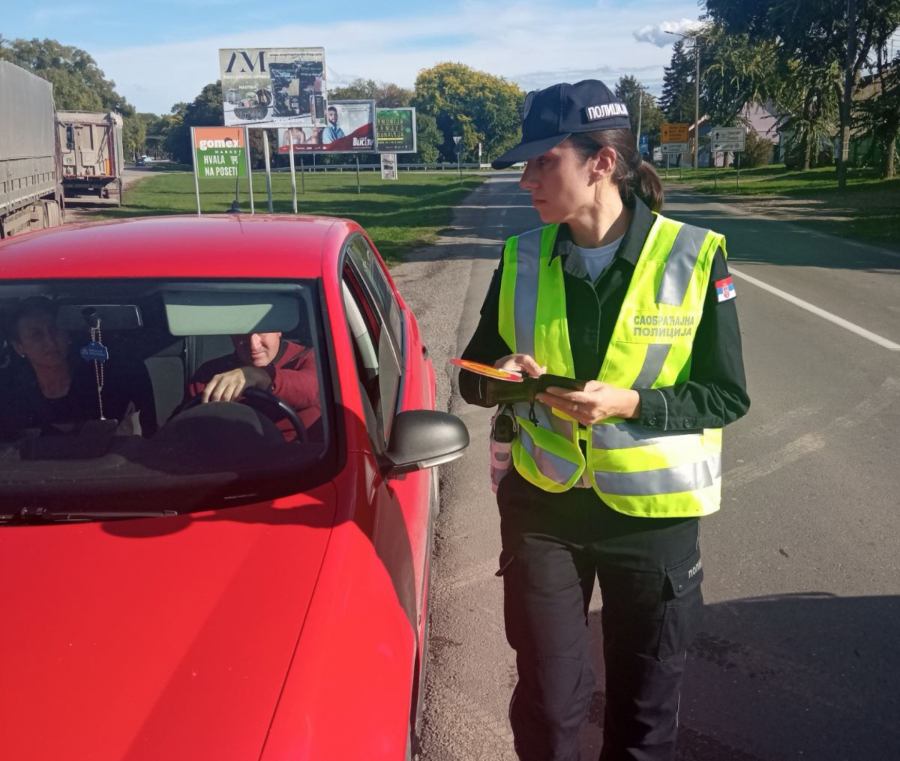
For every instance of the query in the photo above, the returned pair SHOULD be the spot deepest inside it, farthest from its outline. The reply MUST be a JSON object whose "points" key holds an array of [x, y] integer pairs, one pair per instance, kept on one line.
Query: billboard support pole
{"points": [[667, 166], [293, 177], [249, 172], [738, 168], [358, 188], [715, 160], [194, 162], [268, 167], [302, 174]]}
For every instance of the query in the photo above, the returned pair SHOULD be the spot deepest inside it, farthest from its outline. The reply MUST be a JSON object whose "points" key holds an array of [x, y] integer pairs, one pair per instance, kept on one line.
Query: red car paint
{"points": [[282, 630]]}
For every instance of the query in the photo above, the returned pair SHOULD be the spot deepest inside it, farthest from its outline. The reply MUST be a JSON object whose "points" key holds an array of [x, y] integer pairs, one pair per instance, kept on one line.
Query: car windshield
{"points": [[142, 397]]}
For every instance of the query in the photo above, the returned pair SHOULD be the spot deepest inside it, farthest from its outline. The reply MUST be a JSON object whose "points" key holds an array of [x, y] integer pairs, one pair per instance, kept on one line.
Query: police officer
{"points": [[608, 482]]}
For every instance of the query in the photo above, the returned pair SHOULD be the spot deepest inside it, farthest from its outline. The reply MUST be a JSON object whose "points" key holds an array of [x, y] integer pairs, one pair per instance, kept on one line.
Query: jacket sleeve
{"points": [[716, 391], [296, 380], [486, 346]]}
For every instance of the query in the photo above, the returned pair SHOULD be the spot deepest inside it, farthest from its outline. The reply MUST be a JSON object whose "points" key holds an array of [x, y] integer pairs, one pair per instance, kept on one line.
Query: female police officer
{"points": [[609, 481]]}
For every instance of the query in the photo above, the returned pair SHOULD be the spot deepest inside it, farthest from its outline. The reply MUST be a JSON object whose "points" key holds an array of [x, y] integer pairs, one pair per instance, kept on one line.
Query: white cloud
{"points": [[658, 34], [516, 39]]}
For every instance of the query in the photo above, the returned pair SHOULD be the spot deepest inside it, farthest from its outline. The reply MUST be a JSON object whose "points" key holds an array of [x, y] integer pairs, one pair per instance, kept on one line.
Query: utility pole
{"points": [[847, 105], [696, 104], [640, 114]]}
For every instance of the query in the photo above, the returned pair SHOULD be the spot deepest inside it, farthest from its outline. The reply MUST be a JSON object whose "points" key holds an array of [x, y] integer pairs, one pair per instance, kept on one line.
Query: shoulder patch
{"points": [[725, 289]]}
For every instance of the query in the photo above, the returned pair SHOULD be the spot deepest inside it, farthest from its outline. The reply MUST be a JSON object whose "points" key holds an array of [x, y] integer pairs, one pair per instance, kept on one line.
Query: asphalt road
{"points": [[798, 657]]}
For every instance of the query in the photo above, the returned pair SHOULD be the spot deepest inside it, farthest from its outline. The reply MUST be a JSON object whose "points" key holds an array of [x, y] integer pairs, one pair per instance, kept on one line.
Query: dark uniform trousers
{"points": [[649, 571]]}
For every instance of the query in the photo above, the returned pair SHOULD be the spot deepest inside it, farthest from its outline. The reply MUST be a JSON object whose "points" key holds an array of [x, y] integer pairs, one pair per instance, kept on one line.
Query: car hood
{"points": [[155, 638]]}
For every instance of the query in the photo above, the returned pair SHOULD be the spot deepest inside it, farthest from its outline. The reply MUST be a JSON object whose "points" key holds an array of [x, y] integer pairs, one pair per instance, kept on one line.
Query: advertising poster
{"points": [[349, 128], [388, 166], [273, 87], [220, 152], [395, 130]]}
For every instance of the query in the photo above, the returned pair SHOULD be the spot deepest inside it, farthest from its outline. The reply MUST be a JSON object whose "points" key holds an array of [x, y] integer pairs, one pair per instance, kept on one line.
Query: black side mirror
{"points": [[422, 439]]}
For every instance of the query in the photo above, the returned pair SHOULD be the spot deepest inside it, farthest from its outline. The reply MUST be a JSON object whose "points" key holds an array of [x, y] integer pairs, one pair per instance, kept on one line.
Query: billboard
{"points": [[273, 87], [219, 152], [349, 128], [395, 130]]}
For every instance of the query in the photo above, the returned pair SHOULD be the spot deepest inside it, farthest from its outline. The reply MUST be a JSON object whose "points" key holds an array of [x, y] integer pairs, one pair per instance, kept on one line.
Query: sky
{"points": [[161, 52]]}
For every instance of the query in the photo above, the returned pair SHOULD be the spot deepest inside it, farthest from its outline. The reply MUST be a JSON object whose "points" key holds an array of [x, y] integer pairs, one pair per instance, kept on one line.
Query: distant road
{"points": [[798, 657]]}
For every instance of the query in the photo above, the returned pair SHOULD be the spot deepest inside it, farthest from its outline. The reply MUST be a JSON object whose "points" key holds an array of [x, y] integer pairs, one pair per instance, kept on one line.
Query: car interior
{"points": [[163, 333]]}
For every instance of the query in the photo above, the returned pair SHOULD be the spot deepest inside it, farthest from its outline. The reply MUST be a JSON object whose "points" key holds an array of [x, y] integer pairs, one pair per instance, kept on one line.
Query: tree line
{"points": [[827, 69], [451, 99]]}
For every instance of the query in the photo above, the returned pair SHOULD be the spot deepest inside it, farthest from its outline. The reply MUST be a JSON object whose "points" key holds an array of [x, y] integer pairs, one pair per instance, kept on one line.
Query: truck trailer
{"points": [[31, 192], [92, 155]]}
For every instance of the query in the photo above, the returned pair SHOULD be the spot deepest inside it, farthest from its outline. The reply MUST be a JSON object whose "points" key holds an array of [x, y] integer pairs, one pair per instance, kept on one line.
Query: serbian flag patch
{"points": [[725, 289]]}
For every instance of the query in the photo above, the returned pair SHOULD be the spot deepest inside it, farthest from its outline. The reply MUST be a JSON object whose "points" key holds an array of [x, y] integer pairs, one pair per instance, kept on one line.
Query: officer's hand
{"points": [[520, 363], [597, 402], [228, 387]]}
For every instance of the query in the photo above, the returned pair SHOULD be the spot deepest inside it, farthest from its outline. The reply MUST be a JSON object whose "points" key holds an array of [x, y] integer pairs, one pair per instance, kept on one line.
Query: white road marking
{"points": [[846, 324]]}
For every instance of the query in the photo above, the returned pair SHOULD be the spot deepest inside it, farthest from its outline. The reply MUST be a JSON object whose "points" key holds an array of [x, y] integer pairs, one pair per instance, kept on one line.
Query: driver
{"points": [[268, 362]]}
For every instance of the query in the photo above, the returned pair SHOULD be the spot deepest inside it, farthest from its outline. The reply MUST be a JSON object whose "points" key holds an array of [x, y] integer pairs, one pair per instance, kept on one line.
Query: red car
{"points": [[241, 579]]}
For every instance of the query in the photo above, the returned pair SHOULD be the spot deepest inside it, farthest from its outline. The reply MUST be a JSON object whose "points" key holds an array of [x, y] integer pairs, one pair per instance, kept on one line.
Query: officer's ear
{"points": [[603, 163]]}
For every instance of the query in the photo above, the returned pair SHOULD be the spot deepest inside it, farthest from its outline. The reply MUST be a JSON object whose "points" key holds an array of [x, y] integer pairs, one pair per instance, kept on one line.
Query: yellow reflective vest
{"points": [[635, 470]]}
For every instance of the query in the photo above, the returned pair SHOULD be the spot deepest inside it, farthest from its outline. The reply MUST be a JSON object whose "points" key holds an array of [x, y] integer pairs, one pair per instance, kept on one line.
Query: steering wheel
{"points": [[267, 398]]}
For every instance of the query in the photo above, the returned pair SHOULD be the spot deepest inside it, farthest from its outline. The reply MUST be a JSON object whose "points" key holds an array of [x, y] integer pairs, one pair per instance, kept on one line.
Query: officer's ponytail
{"points": [[633, 176]]}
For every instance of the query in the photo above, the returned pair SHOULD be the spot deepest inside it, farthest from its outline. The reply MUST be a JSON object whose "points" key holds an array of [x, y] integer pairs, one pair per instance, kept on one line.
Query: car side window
{"points": [[372, 275], [376, 358]]}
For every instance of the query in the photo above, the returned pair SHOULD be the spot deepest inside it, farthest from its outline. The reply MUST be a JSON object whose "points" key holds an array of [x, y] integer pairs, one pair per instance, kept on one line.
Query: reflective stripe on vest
{"points": [[635, 470]]}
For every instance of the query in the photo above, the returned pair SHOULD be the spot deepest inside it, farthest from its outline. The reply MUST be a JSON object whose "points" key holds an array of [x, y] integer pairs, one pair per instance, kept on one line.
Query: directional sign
{"points": [[727, 139], [644, 146], [673, 133], [676, 147]]}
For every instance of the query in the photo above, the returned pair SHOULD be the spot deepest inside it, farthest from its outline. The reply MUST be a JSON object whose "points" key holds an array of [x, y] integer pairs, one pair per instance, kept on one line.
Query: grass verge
{"points": [[399, 215], [867, 210]]}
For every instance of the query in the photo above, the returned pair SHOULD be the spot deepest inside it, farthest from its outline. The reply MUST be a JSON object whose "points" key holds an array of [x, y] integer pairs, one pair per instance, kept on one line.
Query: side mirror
{"points": [[424, 438]]}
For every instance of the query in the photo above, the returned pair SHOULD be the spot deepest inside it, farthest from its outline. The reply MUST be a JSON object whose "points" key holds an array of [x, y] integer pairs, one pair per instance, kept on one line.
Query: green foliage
{"points": [[204, 111], [385, 95], [810, 40], [641, 106], [677, 100], [428, 139], [756, 151], [479, 107], [78, 83]]}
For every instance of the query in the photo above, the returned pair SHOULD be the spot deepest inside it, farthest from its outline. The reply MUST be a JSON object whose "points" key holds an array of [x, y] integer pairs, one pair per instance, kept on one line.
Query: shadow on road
{"points": [[808, 675]]}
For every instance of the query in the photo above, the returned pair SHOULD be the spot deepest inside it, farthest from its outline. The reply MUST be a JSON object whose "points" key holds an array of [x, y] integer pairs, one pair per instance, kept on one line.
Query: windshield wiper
{"points": [[37, 515]]}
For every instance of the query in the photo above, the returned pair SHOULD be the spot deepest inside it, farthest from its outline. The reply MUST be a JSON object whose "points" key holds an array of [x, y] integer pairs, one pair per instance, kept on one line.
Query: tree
{"points": [[206, 110], [78, 83], [385, 95], [879, 114], [428, 139], [829, 38], [476, 106], [677, 99], [641, 105]]}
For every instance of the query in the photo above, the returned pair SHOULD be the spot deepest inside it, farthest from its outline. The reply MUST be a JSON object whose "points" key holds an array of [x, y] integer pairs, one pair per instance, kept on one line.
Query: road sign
{"points": [[727, 139], [673, 133], [644, 146], [457, 138], [676, 147]]}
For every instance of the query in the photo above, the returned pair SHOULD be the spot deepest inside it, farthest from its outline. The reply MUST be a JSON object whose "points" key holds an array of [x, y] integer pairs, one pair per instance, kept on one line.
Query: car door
{"points": [[390, 382]]}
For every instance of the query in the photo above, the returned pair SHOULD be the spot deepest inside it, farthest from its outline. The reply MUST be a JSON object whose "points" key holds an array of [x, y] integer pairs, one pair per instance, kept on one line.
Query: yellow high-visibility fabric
{"points": [[644, 473]]}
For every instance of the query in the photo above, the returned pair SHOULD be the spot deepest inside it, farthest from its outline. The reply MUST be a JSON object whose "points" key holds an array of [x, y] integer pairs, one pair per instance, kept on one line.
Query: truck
{"points": [[92, 155], [31, 192]]}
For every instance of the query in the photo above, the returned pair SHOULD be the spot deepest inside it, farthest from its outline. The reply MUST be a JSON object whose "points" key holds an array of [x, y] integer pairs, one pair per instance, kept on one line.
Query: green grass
{"points": [[399, 215], [867, 210]]}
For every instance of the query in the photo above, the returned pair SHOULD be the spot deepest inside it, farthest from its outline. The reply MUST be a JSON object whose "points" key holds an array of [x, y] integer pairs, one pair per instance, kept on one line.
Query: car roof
{"points": [[229, 245]]}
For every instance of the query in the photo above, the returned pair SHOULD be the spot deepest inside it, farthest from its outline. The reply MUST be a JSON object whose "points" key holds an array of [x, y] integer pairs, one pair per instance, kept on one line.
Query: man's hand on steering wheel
{"points": [[230, 386]]}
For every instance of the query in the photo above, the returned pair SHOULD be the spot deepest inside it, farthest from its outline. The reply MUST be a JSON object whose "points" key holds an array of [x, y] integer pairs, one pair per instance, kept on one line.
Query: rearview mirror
{"points": [[423, 439]]}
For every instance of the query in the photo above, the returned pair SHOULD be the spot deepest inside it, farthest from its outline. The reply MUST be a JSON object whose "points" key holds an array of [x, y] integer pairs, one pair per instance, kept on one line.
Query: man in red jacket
{"points": [[265, 361]]}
